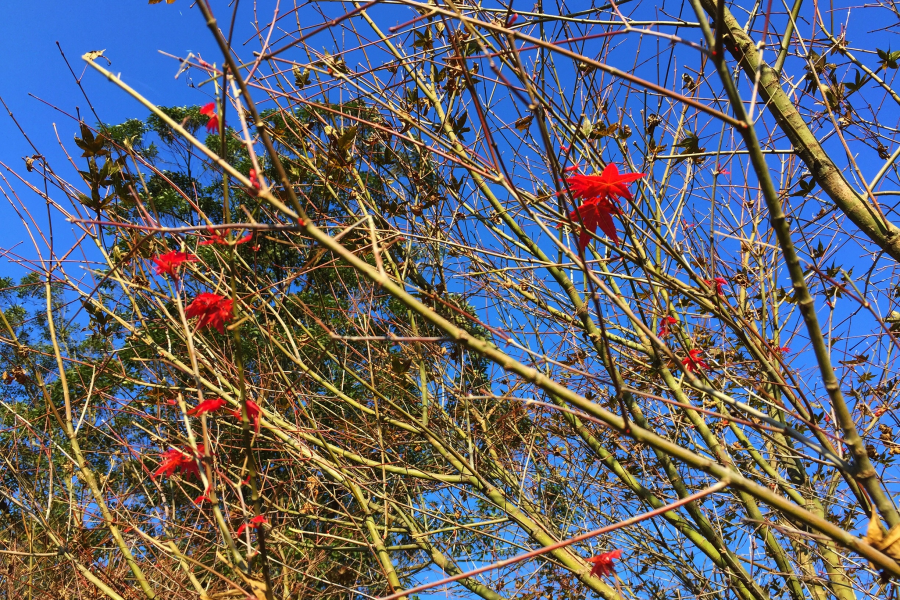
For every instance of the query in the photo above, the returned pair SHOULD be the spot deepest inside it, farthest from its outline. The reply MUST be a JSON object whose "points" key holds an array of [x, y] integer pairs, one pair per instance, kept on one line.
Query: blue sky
{"points": [[131, 31]]}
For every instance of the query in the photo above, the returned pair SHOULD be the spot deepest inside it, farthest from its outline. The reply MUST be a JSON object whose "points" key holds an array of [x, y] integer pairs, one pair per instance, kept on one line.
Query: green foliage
{"points": [[189, 117]]}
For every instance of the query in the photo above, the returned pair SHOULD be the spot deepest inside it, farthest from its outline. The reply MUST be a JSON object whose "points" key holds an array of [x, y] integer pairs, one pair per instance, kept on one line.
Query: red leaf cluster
{"points": [[179, 460], [170, 262], [596, 212], [209, 405], [665, 326], [694, 361], [211, 309], [610, 184], [603, 564], [599, 193], [213, 123], [719, 283], [253, 411]]}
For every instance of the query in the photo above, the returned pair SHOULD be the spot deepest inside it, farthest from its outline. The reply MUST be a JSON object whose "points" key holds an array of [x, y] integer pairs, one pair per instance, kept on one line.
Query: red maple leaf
{"points": [[253, 411], [694, 361], [665, 326], [169, 262], [596, 212], [174, 460], [210, 111], [609, 184], [209, 405], [171, 461], [255, 522], [212, 309], [603, 564]]}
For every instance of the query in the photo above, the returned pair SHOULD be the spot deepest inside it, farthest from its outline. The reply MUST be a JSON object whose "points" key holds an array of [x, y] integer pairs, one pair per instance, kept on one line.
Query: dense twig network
{"points": [[466, 298]]}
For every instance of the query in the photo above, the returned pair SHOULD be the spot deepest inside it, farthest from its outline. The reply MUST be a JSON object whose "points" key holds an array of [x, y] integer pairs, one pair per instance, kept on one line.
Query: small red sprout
{"points": [[255, 522], [217, 238]]}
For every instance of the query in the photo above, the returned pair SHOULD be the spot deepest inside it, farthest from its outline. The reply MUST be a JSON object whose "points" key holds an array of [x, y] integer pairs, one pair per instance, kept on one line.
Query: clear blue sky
{"points": [[132, 32]]}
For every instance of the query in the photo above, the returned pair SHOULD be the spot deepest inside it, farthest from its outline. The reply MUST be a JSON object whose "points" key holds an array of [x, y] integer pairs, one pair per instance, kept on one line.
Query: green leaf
{"points": [[888, 59], [346, 140], [600, 130], [524, 123], [459, 126], [301, 78], [858, 82], [424, 39], [400, 365], [470, 48], [819, 251], [804, 187], [690, 144], [586, 127]]}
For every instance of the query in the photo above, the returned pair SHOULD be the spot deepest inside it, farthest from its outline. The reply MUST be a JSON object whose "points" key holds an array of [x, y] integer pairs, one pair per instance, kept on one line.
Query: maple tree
{"points": [[373, 258]]}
